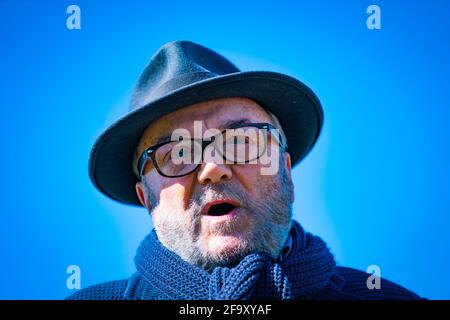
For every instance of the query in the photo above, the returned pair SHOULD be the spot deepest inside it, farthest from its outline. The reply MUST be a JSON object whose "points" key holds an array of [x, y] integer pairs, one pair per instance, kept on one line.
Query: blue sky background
{"points": [[375, 187]]}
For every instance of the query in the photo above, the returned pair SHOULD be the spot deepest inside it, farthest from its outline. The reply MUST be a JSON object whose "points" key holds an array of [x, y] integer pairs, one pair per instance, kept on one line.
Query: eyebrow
{"points": [[163, 138], [234, 122], [226, 124]]}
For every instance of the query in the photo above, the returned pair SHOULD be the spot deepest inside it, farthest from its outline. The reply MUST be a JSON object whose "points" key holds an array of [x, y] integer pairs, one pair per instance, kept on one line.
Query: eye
{"points": [[240, 140], [181, 151]]}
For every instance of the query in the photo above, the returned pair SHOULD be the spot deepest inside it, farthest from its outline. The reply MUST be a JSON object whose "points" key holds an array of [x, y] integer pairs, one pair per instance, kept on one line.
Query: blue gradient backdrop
{"points": [[376, 186]]}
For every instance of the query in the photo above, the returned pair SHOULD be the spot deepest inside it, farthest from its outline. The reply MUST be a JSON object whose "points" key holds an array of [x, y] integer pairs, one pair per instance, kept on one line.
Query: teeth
{"points": [[220, 209]]}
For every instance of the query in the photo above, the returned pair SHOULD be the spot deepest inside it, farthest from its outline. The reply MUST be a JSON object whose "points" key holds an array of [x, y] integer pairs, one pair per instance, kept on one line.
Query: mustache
{"points": [[212, 192]]}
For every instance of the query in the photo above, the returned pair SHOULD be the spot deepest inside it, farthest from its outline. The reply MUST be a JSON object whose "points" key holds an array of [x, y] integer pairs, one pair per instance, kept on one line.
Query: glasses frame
{"points": [[149, 153]]}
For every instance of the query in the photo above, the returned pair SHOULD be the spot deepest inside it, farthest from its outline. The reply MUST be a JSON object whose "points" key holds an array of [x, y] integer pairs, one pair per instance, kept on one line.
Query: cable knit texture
{"points": [[307, 272]]}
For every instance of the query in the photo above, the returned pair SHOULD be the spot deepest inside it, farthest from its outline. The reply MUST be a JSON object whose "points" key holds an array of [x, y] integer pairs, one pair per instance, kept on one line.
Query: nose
{"points": [[211, 172]]}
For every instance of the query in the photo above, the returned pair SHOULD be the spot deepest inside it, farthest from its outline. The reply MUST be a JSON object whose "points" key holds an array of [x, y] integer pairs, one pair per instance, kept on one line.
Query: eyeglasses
{"points": [[238, 144]]}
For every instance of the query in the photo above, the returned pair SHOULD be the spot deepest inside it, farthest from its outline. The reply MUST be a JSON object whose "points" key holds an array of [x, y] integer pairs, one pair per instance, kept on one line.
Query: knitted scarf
{"points": [[308, 271]]}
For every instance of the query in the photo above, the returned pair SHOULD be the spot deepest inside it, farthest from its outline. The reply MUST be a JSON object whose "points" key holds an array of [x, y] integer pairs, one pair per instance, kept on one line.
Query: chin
{"points": [[227, 246]]}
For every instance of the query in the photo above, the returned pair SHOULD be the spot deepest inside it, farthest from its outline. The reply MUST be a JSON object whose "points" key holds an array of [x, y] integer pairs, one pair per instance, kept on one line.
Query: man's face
{"points": [[261, 219]]}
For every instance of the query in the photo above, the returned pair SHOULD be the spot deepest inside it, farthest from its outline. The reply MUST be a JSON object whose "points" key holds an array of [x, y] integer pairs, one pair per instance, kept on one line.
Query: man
{"points": [[208, 150]]}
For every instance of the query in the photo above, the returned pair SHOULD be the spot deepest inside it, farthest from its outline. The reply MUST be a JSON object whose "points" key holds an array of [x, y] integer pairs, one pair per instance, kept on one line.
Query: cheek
{"points": [[170, 210], [258, 187], [172, 198], [249, 176]]}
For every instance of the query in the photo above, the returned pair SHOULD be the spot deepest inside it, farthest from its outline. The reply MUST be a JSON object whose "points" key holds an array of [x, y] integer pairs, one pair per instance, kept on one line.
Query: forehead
{"points": [[213, 114]]}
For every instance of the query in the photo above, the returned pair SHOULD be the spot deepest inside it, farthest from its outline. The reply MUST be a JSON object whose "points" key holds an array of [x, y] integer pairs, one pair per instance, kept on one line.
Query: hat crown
{"points": [[176, 65]]}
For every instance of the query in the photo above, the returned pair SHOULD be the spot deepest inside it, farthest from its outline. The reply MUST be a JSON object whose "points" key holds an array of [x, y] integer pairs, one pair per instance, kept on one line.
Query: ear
{"points": [[142, 195], [287, 166]]}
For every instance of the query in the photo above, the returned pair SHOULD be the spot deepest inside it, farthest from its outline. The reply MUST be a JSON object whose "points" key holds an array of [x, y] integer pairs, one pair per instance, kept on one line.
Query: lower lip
{"points": [[229, 216]]}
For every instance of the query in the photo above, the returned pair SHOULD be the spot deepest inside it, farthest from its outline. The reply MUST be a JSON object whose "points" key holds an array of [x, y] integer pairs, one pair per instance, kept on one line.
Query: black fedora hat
{"points": [[182, 73]]}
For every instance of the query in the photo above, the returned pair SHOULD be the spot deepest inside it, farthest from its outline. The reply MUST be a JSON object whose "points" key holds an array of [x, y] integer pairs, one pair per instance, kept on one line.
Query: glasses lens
{"points": [[243, 145], [178, 157]]}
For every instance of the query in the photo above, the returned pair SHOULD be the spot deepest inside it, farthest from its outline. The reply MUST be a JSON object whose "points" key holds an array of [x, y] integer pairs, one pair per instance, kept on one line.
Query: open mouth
{"points": [[220, 209]]}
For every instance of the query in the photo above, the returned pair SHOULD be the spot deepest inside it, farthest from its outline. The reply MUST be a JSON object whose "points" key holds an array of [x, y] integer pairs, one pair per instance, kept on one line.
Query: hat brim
{"points": [[296, 106]]}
